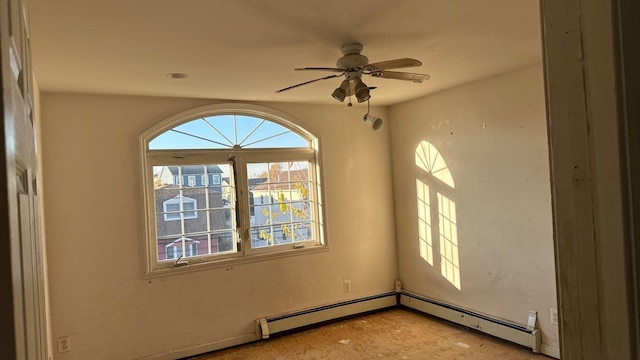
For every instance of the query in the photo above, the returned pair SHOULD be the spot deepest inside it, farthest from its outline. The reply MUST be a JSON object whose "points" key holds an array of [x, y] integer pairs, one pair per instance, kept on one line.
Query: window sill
{"points": [[230, 262]]}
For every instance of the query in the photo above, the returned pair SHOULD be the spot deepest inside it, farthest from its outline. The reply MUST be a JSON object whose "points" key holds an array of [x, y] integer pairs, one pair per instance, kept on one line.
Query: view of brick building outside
{"points": [[206, 216], [207, 229]]}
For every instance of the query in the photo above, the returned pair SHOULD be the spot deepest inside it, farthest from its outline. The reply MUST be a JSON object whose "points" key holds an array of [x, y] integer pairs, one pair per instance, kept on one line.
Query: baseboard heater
{"points": [[277, 324], [516, 333]]}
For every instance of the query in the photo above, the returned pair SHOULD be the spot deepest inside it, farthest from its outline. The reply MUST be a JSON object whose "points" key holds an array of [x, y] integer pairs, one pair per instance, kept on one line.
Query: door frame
{"points": [[591, 138]]}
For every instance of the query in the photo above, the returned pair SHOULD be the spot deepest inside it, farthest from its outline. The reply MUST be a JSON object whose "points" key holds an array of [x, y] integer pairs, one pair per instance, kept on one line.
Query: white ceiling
{"points": [[247, 49]]}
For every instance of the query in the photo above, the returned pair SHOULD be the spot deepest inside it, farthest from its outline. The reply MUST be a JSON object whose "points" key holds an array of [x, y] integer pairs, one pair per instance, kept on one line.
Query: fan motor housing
{"points": [[351, 58], [352, 61]]}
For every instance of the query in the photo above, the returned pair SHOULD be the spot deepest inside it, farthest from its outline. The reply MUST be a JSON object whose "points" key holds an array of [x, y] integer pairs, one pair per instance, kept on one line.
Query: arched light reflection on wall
{"points": [[429, 159], [437, 212]]}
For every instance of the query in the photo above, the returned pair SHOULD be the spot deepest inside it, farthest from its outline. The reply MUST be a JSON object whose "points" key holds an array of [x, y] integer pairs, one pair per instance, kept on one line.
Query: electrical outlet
{"points": [[64, 344], [346, 286], [554, 316]]}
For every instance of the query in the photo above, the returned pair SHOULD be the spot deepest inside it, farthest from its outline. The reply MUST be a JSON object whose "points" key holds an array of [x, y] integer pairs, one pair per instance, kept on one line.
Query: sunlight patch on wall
{"points": [[424, 222], [429, 159], [437, 212], [449, 264]]}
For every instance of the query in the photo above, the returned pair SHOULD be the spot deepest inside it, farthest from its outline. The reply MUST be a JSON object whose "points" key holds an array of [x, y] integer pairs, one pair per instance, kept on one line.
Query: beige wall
{"points": [[492, 134], [93, 203]]}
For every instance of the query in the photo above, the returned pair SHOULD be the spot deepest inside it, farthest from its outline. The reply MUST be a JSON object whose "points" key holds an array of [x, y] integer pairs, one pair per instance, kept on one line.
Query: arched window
{"points": [[235, 180], [437, 212]]}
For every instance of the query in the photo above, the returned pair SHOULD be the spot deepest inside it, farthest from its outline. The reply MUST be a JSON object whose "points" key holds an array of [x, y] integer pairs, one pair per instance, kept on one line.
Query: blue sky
{"points": [[223, 131]]}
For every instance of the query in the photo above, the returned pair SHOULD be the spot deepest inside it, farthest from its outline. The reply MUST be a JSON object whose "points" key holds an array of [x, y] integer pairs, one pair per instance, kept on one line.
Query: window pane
{"points": [[196, 209], [196, 224], [261, 236], [280, 213], [222, 242], [220, 219], [283, 234], [301, 210], [302, 231], [281, 197]]}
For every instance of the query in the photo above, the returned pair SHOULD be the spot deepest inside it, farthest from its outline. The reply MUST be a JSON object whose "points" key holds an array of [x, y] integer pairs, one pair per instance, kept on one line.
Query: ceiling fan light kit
{"points": [[341, 92], [361, 90]]}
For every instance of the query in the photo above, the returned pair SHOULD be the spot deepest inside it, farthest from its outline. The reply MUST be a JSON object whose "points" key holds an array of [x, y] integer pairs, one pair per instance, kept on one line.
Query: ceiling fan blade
{"points": [[418, 78], [309, 82], [393, 64], [321, 69]]}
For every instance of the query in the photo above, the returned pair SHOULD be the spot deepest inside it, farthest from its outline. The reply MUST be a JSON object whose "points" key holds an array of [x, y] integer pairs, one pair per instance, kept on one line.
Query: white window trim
{"points": [[151, 158]]}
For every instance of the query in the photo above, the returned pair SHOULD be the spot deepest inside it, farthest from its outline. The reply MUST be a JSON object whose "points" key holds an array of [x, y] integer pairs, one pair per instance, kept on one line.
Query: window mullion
{"points": [[207, 207], [233, 201], [181, 208], [242, 202]]}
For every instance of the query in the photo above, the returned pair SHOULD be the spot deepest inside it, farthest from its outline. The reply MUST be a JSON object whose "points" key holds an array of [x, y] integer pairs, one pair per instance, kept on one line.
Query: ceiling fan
{"points": [[353, 65]]}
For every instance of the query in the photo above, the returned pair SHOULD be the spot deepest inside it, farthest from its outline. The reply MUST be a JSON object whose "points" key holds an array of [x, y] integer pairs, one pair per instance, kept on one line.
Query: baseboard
{"points": [[512, 332], [268, 326], [203, 348], [549, 350], [289, 321]]}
